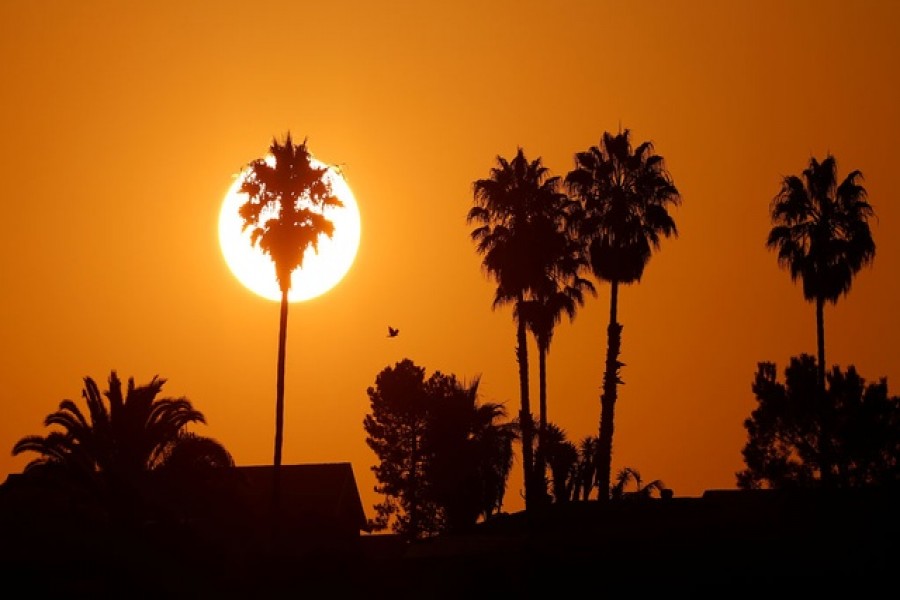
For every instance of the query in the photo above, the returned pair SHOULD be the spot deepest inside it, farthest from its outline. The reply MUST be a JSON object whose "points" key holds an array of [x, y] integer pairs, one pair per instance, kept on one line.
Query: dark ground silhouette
{"points": [[728, 542]]}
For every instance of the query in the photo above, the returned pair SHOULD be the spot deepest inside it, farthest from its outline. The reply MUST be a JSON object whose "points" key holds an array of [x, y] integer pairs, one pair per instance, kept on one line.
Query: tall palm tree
{"points": [[562, 293], [287, 196], [111, 449], [625, 194], [517, 210], [821, 232]]}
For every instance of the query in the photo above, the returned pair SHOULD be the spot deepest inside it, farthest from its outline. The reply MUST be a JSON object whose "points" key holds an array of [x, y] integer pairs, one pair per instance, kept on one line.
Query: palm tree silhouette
{"points": [[562, 293], [517, 208], [642, 490], [121, 439], [625, 196], [585, 468], [821, 232], [470, 452], [562, 458], [493, 442], [287, 197]]}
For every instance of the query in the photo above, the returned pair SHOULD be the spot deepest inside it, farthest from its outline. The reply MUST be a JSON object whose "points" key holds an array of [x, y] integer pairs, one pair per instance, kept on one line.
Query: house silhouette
{"points": [[318, 500]]}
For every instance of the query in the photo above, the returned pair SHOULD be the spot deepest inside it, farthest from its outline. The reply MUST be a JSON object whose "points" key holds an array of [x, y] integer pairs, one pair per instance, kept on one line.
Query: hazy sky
{"points": [[123, 124]]}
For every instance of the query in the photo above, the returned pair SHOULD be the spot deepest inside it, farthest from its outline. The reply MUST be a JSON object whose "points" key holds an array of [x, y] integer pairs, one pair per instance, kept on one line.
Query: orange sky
{"points": [[123, 123]]}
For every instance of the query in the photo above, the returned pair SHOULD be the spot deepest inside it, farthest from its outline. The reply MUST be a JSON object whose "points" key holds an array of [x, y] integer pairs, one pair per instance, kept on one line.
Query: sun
{"points": [[321, 270]]}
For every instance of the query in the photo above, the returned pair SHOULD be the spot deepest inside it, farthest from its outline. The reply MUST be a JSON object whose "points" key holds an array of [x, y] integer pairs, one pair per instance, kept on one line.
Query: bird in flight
{"points": [[392, 332]]}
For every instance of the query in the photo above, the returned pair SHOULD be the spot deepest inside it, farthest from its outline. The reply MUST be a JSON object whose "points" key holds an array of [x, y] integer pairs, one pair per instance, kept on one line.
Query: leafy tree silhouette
{"points": [[625, 195], [518, 210], [821, 232], [123, 444], [395, 431], [286, 199], [796, 437], [443, 458]]}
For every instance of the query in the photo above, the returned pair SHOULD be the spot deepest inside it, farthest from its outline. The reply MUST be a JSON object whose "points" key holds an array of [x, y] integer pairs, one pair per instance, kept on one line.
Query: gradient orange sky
{"points": [[123, 124]]}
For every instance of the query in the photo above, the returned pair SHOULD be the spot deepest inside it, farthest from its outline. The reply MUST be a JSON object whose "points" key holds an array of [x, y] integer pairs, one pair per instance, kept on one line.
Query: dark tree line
{"points": [[848, 438]]}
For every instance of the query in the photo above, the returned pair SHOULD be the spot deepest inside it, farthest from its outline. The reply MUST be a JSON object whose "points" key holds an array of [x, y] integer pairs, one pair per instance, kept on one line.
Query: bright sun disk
{"points": [[320, 271]]}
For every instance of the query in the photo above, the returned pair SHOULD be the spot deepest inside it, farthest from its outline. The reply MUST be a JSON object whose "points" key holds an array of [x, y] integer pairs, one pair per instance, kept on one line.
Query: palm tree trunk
{"points": [[279, 405], [608, 396], [541, 459], [525, 412], [820, 339], [826, 452]]}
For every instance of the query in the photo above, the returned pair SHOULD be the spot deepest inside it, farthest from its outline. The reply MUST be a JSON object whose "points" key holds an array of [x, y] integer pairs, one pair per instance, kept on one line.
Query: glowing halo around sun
{"points": [[320, 271]]}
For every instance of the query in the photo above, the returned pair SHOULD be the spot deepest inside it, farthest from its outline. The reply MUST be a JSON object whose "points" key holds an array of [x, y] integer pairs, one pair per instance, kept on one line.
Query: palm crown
{"points": [[123, 436], [625, 195], [821, 230], [287, 195]]}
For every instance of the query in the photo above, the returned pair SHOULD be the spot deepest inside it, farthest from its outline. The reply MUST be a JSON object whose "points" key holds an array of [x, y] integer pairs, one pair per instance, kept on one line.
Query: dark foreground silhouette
{"points": [[727, 542]]}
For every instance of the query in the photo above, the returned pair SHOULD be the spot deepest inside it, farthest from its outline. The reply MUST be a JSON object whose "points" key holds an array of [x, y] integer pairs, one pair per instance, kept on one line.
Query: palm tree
{"points": [[287, 196], [562, 458], [469, 452], [585, 468], [123, 440], [641, 490], [493, 443], [821, 232], [518, 208], [562, 293], [625, 197]]}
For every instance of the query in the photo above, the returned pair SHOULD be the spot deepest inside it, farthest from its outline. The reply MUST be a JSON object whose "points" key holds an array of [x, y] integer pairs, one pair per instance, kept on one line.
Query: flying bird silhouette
{"points": [[392, 332]]}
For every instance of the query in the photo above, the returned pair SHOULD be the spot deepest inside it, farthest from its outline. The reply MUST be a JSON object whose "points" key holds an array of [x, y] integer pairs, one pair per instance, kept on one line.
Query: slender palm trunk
{"points": [[279, 404], [827, 454], [820, 339], [525, 413], [541, 459], [608, 396]]}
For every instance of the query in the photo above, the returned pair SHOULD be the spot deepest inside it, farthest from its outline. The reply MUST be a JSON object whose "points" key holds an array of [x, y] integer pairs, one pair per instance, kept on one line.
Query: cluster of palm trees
{"points": [[539, 242], [540, 235]]}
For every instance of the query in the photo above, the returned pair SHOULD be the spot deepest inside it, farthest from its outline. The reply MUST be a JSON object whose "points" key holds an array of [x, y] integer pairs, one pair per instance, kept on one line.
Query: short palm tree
{"points": [[822, 236], [287, 195], [642, 490], [517, 209], [562, 459], [493, 441], [470, 452], [122, 439], [585, 468], [625, 195]]}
